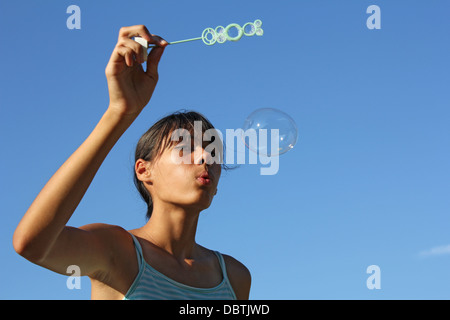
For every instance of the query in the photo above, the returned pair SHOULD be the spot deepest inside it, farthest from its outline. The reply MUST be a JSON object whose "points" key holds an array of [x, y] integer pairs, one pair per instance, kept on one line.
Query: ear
{"points": [[142, 169]]}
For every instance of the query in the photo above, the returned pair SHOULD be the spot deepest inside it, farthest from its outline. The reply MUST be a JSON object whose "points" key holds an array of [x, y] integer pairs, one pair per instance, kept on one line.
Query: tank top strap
{"points": [[139, 253], [222, 265]]}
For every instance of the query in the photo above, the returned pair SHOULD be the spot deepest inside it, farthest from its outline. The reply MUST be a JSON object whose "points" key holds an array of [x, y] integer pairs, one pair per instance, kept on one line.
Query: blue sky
{"points": [[368, 182]]}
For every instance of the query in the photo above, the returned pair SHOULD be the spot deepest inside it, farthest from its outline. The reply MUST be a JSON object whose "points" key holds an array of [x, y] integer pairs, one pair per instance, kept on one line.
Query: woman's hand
{"points": [[130, 87]]}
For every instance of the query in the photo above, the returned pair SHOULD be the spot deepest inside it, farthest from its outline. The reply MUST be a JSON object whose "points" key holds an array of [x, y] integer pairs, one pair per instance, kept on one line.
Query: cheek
{"points": [[172, 180]]}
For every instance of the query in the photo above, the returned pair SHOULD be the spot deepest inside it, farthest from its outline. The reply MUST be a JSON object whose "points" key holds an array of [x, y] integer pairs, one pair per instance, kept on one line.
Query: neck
{"points": [[173, 229]]}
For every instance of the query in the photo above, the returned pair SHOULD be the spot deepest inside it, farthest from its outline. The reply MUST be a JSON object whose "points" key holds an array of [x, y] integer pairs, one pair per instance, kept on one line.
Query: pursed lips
{"points": [[204, 178]]}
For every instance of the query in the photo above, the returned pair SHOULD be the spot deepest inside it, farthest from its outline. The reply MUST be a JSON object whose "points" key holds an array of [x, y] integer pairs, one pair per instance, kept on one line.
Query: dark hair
{"points": [[158, 138]]}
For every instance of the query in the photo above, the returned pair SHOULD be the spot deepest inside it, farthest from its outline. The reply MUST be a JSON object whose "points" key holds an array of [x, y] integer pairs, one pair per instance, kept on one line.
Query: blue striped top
{"points": [[151, 284]]}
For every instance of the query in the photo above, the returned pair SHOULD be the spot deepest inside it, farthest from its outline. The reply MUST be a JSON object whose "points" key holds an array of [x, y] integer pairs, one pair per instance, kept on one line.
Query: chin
{"points": [[199, 199], [202, 203]]}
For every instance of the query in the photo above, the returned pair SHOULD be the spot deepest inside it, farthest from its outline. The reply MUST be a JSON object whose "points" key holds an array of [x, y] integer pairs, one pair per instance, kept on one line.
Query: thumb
{"points": [[153, 59]]}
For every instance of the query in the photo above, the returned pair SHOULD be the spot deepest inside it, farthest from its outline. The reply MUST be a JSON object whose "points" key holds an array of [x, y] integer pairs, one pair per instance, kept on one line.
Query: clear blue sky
{"points": [[368, 182]]}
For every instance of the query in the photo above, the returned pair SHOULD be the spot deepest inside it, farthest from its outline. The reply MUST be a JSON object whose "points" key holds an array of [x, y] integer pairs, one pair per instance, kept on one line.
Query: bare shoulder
{"points": [[110, 236], [102, 227], [94, 248], [240, 277], [113, 237], [111, 241], [114, 281]]}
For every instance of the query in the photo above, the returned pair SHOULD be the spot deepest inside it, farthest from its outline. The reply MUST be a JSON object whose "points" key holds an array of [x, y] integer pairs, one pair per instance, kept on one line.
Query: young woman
{"points": [[161, 259]]}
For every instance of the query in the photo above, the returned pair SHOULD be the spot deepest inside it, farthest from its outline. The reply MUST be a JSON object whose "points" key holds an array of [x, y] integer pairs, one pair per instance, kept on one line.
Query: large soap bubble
{"points": [[271, 126]]}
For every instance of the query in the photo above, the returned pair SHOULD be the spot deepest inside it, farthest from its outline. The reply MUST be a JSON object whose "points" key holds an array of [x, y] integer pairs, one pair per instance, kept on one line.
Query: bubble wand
{"points": [[220, 34]]}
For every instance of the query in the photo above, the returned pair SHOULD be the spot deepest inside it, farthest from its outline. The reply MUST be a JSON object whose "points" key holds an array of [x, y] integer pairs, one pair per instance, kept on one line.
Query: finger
{"points": [[137, 48], [127, 54], [140, 31], [134, 31], [153, 60], [160, 42]]}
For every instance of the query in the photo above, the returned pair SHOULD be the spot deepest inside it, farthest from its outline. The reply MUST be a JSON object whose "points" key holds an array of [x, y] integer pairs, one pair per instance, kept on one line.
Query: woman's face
{"points": [[181, 176]]}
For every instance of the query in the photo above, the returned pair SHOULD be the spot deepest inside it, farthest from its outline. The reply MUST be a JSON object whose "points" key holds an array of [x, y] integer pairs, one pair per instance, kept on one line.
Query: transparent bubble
{"points": [[220, 29], [276, 132], [221, 38], [258, 23]]}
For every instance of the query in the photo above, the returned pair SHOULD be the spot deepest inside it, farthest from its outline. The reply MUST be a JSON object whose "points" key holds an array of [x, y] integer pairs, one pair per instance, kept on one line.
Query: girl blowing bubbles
{"points": [[160, 260]]}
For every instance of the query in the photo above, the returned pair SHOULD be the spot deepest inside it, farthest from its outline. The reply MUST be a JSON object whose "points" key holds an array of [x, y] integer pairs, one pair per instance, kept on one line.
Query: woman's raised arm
{"points": [[42, 235]]}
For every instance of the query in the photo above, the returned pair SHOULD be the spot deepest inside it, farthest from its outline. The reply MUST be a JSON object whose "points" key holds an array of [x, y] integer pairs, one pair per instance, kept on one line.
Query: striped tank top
{"points": [[151, 284]]}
